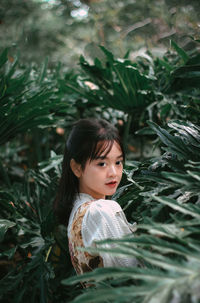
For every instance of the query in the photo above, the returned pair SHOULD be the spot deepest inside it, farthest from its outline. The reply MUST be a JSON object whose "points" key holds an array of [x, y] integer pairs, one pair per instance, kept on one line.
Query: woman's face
{"points": [[101, 176]]}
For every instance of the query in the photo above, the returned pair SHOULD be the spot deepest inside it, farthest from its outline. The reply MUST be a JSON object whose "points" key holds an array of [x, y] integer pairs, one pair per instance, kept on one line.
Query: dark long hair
{"points": [[86, 141]]}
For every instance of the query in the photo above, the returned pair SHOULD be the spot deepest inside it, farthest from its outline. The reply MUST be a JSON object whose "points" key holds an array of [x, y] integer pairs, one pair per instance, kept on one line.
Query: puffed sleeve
{"points": [[105, 219]]}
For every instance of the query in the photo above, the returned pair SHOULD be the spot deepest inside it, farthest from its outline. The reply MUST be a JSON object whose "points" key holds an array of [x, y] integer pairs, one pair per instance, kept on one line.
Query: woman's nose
{"points": [[112, 171]]}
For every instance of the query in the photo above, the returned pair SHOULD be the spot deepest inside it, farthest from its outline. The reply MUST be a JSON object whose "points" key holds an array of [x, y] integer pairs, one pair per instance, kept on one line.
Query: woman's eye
{"points": [[102, 164], [118, 162]]}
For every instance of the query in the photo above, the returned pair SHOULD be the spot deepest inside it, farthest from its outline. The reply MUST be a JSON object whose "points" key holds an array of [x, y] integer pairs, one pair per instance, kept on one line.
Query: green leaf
{"points": [[108, 54], [4, 226], [43, 71], [191, 210], [175, 145], [194, 174], [100, 274], [177, 178], [3, 57], [187, 130], [180, 51]]}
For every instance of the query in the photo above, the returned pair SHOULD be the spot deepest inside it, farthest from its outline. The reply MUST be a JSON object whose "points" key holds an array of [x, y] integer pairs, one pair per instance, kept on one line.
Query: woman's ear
{"points": [[76, 168]]}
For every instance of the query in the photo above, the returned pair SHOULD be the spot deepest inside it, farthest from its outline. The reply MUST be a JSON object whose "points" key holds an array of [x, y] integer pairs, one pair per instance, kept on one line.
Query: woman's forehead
{"points": [[105, 147]]}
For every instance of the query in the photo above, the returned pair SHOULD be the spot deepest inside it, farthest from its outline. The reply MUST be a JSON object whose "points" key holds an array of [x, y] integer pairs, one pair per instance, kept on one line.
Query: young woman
{"points": [[91, 172]]}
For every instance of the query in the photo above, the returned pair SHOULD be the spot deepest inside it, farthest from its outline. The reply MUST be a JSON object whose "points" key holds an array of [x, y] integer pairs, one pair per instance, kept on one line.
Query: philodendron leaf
{"points": [[180, 51], [175, 144], [149, 275], [192, 210], [178, 178], [4, 226], [187, 130], [190, 135]]}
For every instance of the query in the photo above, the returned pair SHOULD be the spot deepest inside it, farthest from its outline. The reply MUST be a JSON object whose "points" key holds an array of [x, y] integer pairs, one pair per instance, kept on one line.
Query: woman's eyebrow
{"points": [[121, 156], [105, 157], [100, 158]]}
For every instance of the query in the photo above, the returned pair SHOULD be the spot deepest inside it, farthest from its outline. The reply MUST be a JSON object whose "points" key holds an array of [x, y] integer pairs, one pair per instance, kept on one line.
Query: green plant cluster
{"points": [[153, 101], [67, 28]]}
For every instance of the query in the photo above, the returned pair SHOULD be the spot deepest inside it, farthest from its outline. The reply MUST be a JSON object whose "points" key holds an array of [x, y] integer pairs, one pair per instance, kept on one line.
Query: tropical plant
{"points": [[147, 89], [28, 98], [117, 84], [30, 237], [33, 105], [34, 256], [177, 76]]}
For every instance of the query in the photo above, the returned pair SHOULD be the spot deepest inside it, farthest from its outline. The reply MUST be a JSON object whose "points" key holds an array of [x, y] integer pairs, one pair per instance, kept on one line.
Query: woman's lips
{"points": [[112, 184]]}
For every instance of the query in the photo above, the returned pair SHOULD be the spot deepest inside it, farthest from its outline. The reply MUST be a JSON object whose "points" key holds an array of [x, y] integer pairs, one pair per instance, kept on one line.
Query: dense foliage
{"points": [[65, 29], [155, 102]]}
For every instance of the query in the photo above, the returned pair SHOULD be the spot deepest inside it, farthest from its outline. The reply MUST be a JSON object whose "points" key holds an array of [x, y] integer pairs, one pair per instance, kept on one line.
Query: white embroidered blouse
{"points": [[97, 220]]}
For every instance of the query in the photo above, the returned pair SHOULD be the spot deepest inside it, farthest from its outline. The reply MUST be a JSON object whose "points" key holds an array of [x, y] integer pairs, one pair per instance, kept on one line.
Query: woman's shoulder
{"points": [[103, 205]]}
